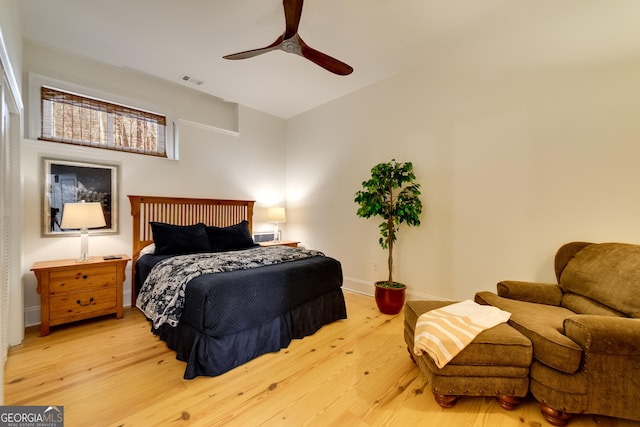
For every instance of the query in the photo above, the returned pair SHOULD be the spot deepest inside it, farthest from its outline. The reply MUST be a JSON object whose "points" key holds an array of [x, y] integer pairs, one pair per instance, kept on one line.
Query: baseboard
{"points": [[358, 286], [366, 287], [31, 316]]}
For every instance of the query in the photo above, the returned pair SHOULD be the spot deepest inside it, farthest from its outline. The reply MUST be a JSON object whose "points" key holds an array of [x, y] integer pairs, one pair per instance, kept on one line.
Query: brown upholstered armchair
{"points": [[585, 331]]}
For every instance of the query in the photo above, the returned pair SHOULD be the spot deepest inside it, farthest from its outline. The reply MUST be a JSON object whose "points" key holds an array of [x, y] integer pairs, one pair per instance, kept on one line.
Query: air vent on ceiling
{"points": [[192, 80]]}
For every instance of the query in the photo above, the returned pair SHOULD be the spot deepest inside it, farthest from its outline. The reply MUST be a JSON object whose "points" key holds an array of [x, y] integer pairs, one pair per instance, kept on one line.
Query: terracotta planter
{"points": [[389, 300]]}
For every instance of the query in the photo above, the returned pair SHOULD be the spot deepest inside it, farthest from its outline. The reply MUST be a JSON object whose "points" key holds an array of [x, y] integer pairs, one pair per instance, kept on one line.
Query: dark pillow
{"points": [[230, 238], [179, 239]]}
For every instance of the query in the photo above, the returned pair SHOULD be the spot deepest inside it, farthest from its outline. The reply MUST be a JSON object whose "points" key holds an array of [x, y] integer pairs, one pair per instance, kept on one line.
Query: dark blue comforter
{"points": [[232, 317]]}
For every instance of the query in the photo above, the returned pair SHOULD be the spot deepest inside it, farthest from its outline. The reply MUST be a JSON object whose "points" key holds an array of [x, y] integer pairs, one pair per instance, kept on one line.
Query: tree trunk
{"points": [[391, 231]]}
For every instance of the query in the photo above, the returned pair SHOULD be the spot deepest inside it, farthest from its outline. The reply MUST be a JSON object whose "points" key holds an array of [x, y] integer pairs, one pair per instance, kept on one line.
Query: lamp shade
{"points": [[82, 215], [276, 214]]}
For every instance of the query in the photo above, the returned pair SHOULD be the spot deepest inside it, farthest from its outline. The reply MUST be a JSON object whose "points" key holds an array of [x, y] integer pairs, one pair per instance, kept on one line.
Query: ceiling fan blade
{"points": [[255, 52], [324, 60], [292, 14]]}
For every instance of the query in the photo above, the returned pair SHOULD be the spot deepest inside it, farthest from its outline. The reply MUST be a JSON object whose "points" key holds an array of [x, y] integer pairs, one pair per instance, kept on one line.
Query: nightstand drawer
{"points": [[79, 305], [63, 281]]}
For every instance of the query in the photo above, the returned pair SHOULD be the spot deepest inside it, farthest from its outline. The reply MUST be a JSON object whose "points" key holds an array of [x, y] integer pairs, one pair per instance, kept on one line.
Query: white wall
{"points": [[212, 164], [512, 165]]}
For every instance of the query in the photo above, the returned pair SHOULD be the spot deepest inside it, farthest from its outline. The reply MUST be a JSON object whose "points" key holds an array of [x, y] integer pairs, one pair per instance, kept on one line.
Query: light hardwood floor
{"points": [[356, 372]]}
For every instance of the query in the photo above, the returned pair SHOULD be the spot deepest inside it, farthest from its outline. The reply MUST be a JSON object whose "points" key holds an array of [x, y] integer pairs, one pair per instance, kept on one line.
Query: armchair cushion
{"points": [[543, 325], [606, 273], [584, 305]]}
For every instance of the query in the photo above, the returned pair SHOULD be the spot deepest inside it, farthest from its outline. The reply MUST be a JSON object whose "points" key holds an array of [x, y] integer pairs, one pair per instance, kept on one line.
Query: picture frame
{"points": [[68, 181]]}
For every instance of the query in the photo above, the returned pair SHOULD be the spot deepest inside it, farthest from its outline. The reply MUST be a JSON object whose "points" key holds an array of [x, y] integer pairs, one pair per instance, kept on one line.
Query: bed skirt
{"points": [[214, 355]]}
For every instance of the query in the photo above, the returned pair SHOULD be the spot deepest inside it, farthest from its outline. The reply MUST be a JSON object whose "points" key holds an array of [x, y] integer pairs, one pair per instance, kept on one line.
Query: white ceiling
{"points": [[378, 38]]}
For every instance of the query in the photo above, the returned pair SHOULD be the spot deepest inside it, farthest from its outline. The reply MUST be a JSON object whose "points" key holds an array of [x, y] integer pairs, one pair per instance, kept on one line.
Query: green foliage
{"points": [[392, 285], [392, 194]]}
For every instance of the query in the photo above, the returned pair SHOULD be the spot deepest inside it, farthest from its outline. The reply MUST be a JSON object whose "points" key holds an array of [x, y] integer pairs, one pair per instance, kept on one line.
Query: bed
{"points": [[231, 300]]}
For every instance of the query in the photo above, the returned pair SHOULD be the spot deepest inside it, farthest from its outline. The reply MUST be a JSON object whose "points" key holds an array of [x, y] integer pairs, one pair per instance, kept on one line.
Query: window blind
{"points": [[75, 119]]}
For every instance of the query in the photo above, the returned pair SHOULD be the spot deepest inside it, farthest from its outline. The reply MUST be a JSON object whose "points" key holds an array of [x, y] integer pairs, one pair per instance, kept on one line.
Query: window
{"points": [[75, 119]]}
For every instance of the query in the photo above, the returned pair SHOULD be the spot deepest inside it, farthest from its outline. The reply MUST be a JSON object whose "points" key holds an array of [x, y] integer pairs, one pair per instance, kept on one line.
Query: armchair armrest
{"points": [[539, 293], [604, 334]]}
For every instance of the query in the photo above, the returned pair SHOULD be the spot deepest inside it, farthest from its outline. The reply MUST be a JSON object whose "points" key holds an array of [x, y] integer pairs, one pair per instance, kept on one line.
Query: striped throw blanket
{"points": [[445, 332]]}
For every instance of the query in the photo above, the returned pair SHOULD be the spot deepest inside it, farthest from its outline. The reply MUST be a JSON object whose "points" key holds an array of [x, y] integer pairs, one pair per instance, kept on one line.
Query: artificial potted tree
{"points": [[392, 194]]}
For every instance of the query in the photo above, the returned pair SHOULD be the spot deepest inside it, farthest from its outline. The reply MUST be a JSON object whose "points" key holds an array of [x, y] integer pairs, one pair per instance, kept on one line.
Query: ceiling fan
{"points": [[291, 42]]}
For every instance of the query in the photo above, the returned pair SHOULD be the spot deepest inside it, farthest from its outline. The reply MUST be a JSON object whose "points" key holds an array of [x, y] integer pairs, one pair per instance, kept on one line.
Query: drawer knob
{"points": [[84, 305]]}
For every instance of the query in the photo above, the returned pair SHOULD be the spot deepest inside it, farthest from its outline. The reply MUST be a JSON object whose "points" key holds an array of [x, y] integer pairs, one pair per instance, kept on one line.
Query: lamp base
{"points": [[84, 246], [276, 233]]}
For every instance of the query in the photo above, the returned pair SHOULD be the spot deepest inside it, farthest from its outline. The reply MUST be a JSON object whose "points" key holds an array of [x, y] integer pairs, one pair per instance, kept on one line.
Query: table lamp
{"points": [[84, 216], [276, 215]]}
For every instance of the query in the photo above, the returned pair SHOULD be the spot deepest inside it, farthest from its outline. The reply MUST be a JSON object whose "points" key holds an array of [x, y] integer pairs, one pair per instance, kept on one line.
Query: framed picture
{"points": [[68, 181]]}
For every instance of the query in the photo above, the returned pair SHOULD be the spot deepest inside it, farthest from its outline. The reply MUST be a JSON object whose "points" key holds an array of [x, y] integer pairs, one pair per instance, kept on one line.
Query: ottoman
{"points": [[496, 363]]}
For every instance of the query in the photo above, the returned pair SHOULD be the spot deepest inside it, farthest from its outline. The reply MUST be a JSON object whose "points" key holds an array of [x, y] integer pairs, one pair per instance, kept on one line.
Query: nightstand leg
{"points": [[44, 328]]}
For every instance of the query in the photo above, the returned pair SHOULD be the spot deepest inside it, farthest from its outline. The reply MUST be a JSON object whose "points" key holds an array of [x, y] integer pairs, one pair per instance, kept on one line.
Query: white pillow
{"points": [[148, 250]]}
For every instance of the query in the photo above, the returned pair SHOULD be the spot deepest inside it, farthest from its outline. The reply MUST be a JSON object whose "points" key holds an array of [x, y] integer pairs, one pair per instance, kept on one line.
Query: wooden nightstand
{"points": [[71, 290], [291, 243]]}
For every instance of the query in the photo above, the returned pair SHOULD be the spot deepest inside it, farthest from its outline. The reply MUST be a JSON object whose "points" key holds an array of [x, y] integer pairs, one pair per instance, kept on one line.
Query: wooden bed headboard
{"points": [[180, 211]]}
